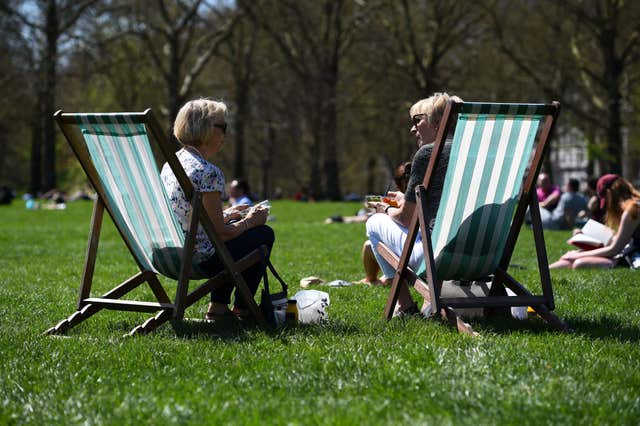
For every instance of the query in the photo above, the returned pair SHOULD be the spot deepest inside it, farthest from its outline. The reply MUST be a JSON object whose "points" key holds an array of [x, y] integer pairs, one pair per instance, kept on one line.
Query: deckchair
{"points": [[116, 151], [495, 157]]}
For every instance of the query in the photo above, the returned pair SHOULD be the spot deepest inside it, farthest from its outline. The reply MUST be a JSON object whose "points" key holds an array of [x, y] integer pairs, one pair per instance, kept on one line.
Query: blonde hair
{"points": [[433, 107], [620, 197], [195, 120]]}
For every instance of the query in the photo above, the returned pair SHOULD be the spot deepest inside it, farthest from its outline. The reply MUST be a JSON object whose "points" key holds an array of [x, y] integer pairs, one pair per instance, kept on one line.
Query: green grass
{"points": [[355, 369]]}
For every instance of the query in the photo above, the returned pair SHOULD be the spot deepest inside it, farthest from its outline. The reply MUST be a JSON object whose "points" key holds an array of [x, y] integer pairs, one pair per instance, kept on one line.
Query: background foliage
{"points": [[319, 90]]}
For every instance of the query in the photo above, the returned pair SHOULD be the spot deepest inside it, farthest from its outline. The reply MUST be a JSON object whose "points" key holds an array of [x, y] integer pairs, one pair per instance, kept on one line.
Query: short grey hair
{"points": [[195, 120]]}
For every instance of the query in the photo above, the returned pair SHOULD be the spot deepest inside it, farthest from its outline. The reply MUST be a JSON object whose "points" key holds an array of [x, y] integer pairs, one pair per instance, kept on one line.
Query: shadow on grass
{"points": [[600, 328], [232, 329], [605, 328]]}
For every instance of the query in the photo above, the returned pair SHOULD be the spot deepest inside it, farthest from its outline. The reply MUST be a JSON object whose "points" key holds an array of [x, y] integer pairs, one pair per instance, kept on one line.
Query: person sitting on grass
{"points": [[200, 127], [622, 203], [239, 193], [548, 193], [571, 207], [369, 262]]}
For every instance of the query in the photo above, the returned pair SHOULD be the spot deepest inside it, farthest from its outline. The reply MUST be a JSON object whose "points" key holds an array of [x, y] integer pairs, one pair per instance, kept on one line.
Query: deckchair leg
{"points": [[88, 309], [152, 323], [74, 319], [551, 318], [456, 321]]}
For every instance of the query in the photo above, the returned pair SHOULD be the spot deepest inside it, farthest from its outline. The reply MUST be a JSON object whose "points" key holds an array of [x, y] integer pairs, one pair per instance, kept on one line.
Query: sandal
{"points": [[218, 315]]}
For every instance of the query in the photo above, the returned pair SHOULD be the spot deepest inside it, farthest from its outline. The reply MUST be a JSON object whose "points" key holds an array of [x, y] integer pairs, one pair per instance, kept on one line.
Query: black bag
{"points": [[266, 298]]}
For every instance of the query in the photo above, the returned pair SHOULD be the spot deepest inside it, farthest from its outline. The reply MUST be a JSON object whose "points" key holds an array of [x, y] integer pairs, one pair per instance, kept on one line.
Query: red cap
{"points": [[604, 183]]}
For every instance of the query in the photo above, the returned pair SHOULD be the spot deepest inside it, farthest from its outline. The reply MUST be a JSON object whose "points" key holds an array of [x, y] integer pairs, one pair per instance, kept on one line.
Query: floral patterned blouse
{"points": [[205, 177]]}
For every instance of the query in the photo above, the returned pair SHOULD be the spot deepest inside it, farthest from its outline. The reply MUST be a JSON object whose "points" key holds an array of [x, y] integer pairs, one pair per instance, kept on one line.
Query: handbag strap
{"points": [[267, 263]]}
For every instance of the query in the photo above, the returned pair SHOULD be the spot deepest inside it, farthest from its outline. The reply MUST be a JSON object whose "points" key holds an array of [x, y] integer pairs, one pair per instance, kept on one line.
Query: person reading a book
{"points": [[621, 201], [200, 127]]}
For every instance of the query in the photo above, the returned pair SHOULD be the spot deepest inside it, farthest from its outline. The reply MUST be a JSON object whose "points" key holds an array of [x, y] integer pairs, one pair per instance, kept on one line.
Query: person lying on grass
{"points": [[200, 127], [622, 203]]}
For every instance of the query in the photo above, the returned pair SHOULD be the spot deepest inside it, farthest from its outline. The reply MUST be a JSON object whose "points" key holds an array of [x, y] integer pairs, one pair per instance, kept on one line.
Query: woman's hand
{"points": [[571, 255], [257, 216], [396, 198], [234, 212], [378, 206]]}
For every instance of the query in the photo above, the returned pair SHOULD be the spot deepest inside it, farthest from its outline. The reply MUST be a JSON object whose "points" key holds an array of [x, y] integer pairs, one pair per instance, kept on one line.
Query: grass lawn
{"points": [[354, 369]]}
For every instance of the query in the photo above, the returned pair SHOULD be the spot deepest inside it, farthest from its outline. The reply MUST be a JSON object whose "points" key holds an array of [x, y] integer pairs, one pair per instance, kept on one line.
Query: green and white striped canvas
{"points": [[123, 158], [491, 149]]}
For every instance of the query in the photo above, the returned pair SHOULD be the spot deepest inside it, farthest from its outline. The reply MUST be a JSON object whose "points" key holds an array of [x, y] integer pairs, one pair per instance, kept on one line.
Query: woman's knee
{"points": [[375, 223], [265, 235]]}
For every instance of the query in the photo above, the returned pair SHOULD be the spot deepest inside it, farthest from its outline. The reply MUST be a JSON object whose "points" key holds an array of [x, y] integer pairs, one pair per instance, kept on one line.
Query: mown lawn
{"points": [[355, 369]]}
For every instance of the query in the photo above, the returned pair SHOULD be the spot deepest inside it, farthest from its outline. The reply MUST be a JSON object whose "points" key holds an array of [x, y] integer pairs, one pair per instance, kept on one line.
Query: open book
{"points": [[593, 235]]}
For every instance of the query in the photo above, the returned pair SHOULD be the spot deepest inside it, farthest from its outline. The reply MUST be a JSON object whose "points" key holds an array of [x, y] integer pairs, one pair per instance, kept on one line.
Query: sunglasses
{"points": [[416, 119], [222, 126]]}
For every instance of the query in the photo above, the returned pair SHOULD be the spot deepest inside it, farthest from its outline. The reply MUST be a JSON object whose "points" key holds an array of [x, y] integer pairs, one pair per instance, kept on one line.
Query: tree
{"points": [[189, 33], [313, 39], [49, 22], [594, 76]]}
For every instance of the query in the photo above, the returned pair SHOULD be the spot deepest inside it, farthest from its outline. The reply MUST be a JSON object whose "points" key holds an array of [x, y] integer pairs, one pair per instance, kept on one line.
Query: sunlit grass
{"points": [[355, 369]]}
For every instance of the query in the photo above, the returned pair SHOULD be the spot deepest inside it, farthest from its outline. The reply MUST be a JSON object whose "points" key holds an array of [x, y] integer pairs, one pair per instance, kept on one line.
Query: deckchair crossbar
{"points": [[129, 305], [492, 301]]}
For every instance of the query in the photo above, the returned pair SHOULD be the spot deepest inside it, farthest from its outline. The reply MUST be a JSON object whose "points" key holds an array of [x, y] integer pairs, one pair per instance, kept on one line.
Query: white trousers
{"points": [[381, 228]]}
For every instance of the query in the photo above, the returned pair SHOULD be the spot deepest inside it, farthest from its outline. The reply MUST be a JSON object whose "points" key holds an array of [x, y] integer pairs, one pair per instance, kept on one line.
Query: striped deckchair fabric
{"points": [[491, 149], [495, 156], [123, 158], [117, 151]]}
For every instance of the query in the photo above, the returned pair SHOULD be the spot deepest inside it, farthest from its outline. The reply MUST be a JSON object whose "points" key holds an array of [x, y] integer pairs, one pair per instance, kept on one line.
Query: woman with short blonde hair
{"points": [[390, 224]]}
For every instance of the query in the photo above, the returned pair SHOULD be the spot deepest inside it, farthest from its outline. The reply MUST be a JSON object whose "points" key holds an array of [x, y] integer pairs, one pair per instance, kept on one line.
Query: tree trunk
{"points": [[49, 93], [173, 84], [35, 163], [317, 123], [242, 103], [331, 166]]}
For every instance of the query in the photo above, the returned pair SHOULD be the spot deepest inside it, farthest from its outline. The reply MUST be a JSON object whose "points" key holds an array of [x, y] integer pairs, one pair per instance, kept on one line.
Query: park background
{"points": [[318, 91]]}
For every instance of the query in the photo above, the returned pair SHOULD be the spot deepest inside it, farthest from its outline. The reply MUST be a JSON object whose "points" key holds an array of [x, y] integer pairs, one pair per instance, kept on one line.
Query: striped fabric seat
{"points": [[491, 150], [122, 156]]}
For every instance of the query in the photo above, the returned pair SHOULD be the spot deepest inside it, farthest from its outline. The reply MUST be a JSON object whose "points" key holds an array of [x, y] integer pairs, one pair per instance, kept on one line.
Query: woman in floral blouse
{"points": [[200, 127]]}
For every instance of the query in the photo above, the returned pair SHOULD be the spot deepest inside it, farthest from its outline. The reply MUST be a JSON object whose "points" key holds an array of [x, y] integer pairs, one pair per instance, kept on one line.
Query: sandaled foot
{"points": [[219, 316], [217, 312]]}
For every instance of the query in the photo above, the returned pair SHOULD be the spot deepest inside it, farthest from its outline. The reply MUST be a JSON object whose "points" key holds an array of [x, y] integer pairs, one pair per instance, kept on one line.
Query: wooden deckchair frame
{"points": [[165, 309], [542, 304]]}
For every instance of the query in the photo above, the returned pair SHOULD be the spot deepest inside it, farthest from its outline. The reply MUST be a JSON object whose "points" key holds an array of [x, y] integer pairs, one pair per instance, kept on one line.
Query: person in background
{"points": [[239, 192], [571, 205], [593, 204], [548, 193], [390, 224], [621, 201], [369, 262], [200, 127]]}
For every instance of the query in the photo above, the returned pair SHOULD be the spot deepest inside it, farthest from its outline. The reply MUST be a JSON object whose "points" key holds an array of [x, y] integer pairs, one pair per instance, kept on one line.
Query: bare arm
{"points": [[627, 226], [228, 231], [401, 214], [551, 201]]}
